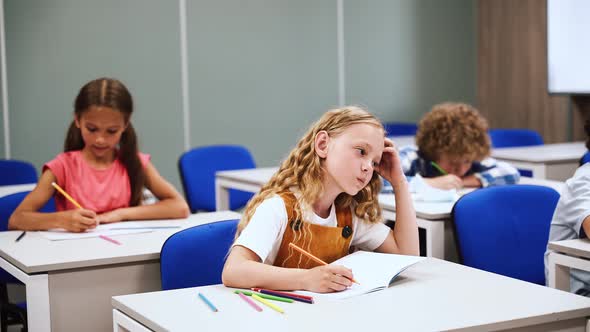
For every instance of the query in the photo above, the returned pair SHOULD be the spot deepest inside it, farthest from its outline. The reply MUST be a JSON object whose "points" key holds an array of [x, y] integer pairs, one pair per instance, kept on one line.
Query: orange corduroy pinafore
{"points": [[326, 243]]}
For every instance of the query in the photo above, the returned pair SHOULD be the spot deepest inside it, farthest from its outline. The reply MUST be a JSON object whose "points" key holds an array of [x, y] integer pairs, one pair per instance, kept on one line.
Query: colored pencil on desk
{"points": [[312, 257], [207, 302], [20, 236], [268, 304], [265, 296], [296, 297], [250, 302], [66, 195], [110, 239]]}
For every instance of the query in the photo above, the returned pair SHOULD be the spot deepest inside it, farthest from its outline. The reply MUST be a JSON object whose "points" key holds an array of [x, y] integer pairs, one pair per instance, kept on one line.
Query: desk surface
{"points": [[576, 247], [425, 210], [433, 295], [36, 254], [547, 153]]}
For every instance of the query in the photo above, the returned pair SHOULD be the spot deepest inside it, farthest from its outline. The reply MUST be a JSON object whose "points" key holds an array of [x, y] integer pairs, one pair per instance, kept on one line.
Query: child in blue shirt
{"points": [[453, 149]]}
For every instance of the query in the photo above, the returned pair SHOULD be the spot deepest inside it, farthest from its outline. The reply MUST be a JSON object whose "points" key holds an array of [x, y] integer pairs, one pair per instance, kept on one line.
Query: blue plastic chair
{"points": [[195, 256], [505, 229], [585, 158], [400, 128], [13, 313], [504, 138], [197, 169], [16, 172]]}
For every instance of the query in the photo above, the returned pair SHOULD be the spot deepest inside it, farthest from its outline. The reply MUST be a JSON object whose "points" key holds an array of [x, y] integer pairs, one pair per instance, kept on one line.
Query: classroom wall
{"points": [[2, 149], [259, 71]]}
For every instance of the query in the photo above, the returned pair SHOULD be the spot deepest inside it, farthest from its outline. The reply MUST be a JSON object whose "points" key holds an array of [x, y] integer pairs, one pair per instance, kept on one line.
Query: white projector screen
{"points": [[568, 46]]}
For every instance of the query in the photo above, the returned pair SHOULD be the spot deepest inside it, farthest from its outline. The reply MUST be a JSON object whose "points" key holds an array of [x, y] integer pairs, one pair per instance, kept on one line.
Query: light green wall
{"points": [[404, 56], [54, 47], [259, 71]]}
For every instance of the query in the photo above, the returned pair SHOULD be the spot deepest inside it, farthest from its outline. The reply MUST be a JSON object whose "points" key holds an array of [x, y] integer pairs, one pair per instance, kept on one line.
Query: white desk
{"points": [[567, 254], [401, 141], [12, 189], [69, 283], [430, 216], [433, 295], [549, 161]]}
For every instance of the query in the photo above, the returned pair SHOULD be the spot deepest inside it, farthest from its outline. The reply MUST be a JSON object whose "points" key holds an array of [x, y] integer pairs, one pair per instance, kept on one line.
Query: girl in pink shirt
{"points": [[101, 168]]}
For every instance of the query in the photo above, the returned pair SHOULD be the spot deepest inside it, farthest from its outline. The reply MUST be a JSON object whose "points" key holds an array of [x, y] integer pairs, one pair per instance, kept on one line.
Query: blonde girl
{"points": [[324, 199]]}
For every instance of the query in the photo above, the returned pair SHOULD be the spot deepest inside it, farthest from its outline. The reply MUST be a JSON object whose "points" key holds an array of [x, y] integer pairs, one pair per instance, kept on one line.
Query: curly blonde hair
{"points": [[303, 170], [454, 129]]}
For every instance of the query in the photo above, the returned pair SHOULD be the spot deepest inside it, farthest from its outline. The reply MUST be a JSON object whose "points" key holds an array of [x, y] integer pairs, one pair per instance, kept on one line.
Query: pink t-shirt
{"points": [[99, 190]]}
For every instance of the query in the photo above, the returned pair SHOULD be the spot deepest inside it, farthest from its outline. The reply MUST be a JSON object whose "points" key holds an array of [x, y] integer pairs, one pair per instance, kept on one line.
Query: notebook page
{"points": [[373, 271]]}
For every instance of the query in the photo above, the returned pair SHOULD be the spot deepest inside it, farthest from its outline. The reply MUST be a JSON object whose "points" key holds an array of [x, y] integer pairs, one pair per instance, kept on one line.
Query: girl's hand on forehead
{"points": [[390, 167]]}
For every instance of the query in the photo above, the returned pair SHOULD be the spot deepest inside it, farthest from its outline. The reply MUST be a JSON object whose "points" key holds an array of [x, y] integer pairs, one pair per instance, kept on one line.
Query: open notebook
{"points": [[374, 271]]}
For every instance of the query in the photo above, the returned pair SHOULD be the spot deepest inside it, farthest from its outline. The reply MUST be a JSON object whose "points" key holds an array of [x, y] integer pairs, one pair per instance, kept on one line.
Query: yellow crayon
{"points": [[268, 304]]}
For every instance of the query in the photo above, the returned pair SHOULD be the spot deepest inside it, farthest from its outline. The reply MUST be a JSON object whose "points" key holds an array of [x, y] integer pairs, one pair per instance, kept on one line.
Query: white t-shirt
{"points": [[571, 210], [264, 233]]}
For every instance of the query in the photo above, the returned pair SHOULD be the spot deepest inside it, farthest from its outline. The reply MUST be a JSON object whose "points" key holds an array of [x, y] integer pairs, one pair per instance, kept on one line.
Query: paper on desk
{"points": [[374, 272], [426, 193], [62, 234]]}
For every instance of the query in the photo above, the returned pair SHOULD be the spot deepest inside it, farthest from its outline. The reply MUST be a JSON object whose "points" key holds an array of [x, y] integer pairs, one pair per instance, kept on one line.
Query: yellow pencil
{"points": [[313, 258], [63, 192], [267, 303]]}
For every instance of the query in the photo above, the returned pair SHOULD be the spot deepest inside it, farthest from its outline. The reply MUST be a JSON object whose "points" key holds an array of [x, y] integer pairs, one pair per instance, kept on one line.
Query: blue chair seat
{"points": [[195, 256], [505, 229], [197, 169], [16, 172], [505, 138], [400, 128]]}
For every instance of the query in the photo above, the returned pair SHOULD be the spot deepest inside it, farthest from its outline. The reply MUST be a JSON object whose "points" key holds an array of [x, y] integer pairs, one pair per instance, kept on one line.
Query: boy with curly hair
{"points": [[453, 149]]}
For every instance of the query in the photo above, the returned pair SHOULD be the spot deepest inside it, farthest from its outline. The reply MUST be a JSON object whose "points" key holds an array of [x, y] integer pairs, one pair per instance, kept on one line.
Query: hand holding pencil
{"points": [[78, 220], [337, 279]]}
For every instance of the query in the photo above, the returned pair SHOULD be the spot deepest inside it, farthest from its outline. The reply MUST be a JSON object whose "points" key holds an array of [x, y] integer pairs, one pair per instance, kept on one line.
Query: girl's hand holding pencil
{"points": [[78, 220], [325, 278]]}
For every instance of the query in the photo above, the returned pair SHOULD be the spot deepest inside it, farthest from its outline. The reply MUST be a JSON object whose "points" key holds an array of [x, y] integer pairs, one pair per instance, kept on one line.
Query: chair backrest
{"points": [[197, 169], [585, 158], [504, 138], [505, 229], [400, 128], [10, 202], [195, 256], [16, 172]]}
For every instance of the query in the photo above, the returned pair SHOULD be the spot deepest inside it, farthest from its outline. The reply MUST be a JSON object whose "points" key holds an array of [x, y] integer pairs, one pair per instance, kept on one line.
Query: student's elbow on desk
{"points": [[178, 208], [12, 222], [183, 210]]}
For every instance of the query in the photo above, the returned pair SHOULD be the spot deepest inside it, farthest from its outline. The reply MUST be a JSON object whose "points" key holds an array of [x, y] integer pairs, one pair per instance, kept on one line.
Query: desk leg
{"points": [[38, 313], [559, 275], [559, 269], [221, 196], [540, 171], [435, 237], [123, 323]]}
